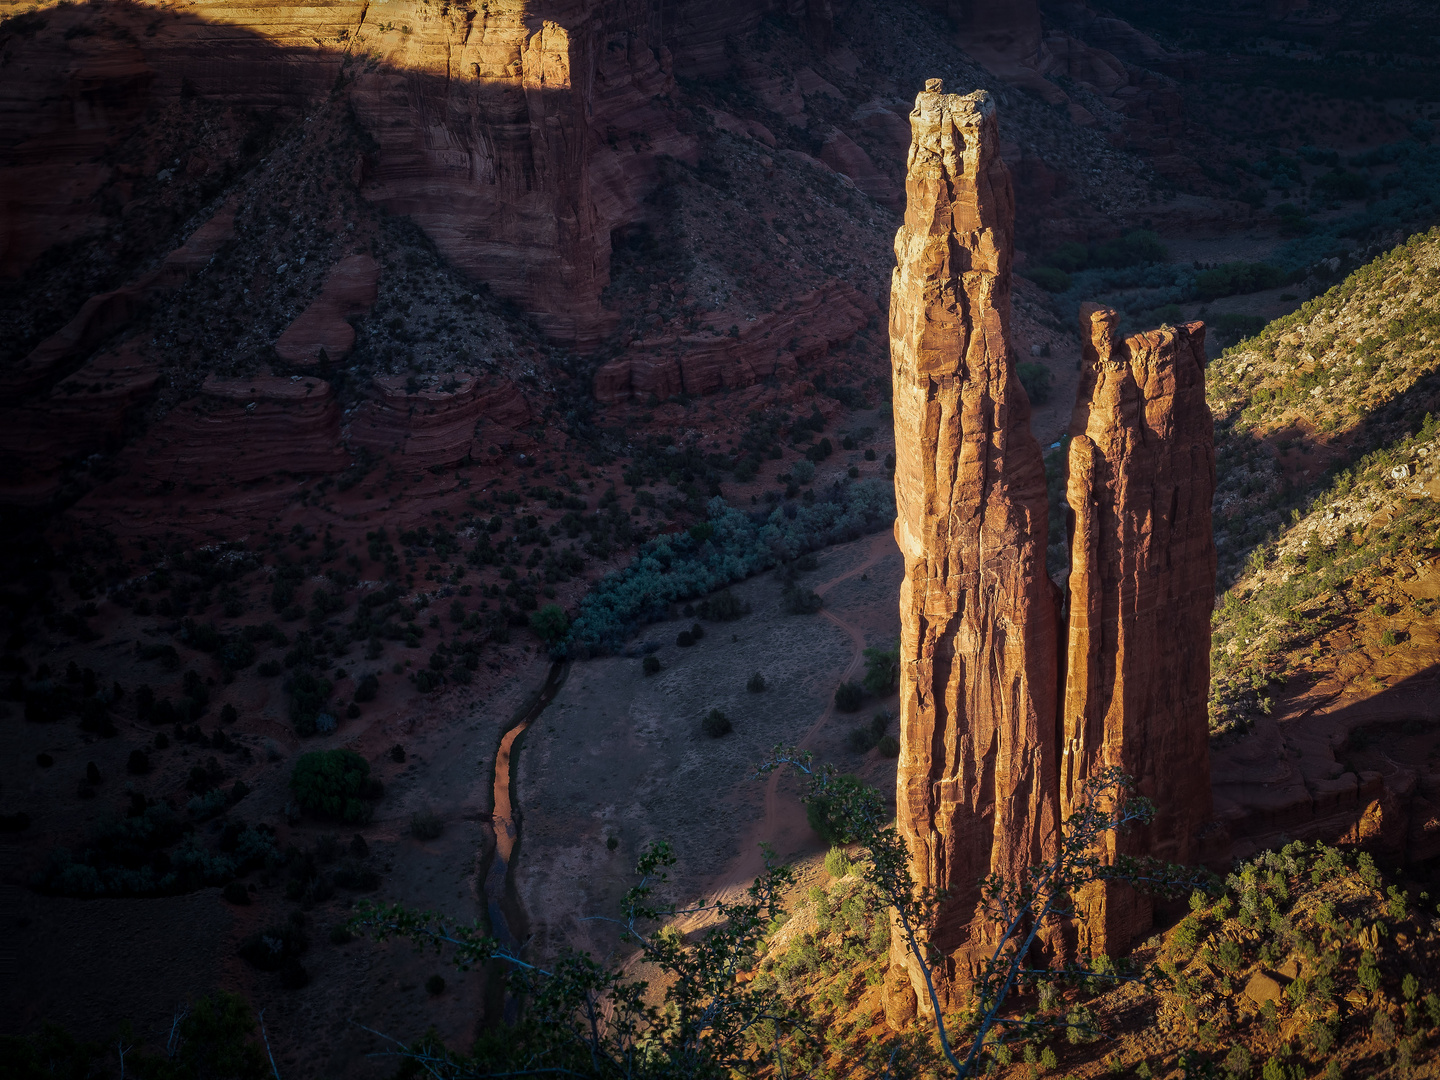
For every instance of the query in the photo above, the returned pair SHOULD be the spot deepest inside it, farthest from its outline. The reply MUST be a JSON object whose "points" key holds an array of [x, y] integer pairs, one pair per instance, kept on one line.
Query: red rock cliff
{"points": [[977, 784], [1142, 584]]}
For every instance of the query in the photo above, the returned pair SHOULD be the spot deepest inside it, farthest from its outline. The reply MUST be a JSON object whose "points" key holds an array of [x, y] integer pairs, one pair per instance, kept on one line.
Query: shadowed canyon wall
{"points": [[518, 134], [990, 763], [977, 784], [1142, 585]]}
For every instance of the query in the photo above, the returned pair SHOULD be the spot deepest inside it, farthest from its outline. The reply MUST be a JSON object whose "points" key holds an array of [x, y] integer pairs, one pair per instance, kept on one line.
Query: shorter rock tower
{"points": [[1142, 586]]}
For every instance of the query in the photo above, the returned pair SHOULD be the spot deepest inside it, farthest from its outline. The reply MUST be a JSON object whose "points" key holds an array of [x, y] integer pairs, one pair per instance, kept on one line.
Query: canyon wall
{"points": [[519, 134], [1142, 585], [976, 792]]}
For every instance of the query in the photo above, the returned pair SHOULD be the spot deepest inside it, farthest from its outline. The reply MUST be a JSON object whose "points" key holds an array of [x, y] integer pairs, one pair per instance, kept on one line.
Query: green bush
{"points": [[551, 624], [1230, 279], [889, 746], [882, 670], [716, 724], [837, 865], [1049, 278], [798, 600], [367, 688], [334, 784], [849, 696], [650, 665], [1036, 380], [723, 606], [1342, 184], [756, 685], [426, 826], [822, 811]]}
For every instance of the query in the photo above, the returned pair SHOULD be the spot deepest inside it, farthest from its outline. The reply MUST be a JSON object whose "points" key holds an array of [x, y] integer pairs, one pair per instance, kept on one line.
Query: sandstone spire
{"points": [[977, 773], [1142, 583]]}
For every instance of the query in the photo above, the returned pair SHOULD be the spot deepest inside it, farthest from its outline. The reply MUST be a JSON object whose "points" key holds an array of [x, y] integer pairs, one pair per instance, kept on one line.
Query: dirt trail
{"points": [[784, 824]]}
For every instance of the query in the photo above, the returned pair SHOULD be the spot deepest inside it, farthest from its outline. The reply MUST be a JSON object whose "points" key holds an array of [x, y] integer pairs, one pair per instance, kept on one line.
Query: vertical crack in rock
{"points": [[1142, 585], [977, 789]]}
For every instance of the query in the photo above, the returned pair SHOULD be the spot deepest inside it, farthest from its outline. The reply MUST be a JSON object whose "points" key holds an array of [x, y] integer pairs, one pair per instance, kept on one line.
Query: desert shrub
{"points": [[849, 696], [837, 865], [889, 746], [650, 665], [269, 668], [822, 810], [675, 566], [697, 631], [723, 606], [138, 762], [368, 687], [236, 893], [716, 724], [1036, 380], [551, 624], [684, 639], [802, 472], [435, 985], [798, 600], [426, 825], [1050, 278], [1342, 184], [756, 684], [354, 875], [308, 694], [334, 784], [269, 949], [1229, 279], [882, 670]]}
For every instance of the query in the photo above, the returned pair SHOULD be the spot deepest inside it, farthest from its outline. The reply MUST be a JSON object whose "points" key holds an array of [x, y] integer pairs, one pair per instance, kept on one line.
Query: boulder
{"points": [[322, 328]]}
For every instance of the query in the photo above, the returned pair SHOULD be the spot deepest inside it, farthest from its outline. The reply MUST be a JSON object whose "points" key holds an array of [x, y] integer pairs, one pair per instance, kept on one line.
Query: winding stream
{"points": [[502, 905]]}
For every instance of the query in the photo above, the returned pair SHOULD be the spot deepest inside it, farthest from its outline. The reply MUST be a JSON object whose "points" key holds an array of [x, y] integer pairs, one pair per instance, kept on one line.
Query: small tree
{"points": [[882, 670], [551, 624], [1019, 910], [335, 784], [583, 1018]]}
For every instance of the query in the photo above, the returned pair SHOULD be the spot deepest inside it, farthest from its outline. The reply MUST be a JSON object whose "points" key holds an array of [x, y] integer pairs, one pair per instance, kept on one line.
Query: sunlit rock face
{"points": [[977, 786], [517, 134], [1142, 585]]}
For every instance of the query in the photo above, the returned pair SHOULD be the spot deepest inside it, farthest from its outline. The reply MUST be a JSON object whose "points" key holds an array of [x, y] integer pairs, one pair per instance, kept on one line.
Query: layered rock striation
{"points": [[977, 778], [990, 761], [1142, 586]]}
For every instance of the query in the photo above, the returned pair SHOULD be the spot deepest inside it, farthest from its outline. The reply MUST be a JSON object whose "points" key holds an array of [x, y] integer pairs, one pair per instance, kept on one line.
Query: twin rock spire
{"points": [[1007, 705]]}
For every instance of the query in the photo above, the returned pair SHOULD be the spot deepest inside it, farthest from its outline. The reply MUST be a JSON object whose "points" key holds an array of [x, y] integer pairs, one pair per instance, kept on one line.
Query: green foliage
{"points": [[1036, 380], [798, 600], [551, 624], [1050, 278], [849, 697], [723, 606], [650, 665], [837, 865], [716, 724], [756, 683], [426, 825], [334, 784], [676, 567], [882, 670], [1229, 279], [829, 811], [702, 1030], [213, 1039]]}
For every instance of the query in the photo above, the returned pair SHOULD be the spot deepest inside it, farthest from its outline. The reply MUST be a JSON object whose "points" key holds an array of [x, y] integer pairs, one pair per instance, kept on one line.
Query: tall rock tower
{"points": [[977, 787], [1142, 585]]}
